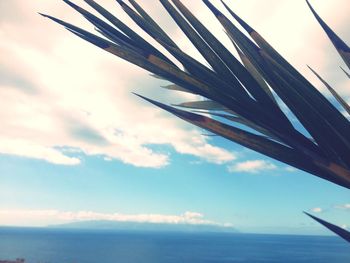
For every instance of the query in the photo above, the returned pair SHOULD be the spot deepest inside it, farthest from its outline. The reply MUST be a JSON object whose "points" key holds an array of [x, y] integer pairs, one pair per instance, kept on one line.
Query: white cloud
{"points": [[44, 217], [343, 207], [71, 94], [316, 210], [29, 149], [253, 166], [290, 169]]}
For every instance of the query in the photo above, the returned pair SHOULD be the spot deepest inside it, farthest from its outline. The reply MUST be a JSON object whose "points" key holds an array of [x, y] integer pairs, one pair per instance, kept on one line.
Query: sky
{"points": [[76, 144]]}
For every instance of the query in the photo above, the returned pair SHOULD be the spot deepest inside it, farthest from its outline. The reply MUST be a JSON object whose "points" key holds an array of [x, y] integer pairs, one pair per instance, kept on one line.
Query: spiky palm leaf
{"points": [[242, 90], [245, 93]]}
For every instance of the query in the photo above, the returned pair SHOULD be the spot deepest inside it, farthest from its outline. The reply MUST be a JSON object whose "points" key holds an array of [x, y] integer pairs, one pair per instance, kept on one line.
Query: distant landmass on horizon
{"points": [[141, 226]]}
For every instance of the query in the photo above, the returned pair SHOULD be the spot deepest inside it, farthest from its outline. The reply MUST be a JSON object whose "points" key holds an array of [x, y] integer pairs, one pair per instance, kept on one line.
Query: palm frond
{"points": [[241, 99], [242, 91]]}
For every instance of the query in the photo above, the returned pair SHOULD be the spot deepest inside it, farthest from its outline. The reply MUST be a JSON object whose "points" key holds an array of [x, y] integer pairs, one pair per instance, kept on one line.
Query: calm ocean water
{"points": [[75, 246]]}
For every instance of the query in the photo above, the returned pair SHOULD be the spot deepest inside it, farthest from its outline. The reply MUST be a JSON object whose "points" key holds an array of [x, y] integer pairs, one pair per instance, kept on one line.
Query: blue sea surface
{"points": [[87, 246]]}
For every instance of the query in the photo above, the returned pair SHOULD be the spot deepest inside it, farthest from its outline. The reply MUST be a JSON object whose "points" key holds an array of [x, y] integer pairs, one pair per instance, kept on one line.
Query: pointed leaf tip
{"points": [[342, 48], [44, 15], [121, 2], [336, 229], [247, 27], [337, 41], [138, 95], [149, 100], [345, 72], [72, 4], [341, 101]]}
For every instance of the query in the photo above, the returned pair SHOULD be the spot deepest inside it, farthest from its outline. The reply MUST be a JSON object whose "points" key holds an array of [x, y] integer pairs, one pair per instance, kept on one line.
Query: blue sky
{"points": [[75, 144]]}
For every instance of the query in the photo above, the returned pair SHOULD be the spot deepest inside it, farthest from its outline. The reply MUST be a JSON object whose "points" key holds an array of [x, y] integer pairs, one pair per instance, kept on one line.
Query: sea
{"points": [[43, 245]]}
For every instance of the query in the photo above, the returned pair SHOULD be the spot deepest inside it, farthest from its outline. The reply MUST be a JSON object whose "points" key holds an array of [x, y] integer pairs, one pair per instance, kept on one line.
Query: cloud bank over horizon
{"points": [[51, 217]]}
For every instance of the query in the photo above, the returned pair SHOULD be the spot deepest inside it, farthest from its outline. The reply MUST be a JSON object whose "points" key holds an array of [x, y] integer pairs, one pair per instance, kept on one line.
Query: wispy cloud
{"points": [[316, 210], [343, 207], [290, 169], [253, 166], [40, 217]]}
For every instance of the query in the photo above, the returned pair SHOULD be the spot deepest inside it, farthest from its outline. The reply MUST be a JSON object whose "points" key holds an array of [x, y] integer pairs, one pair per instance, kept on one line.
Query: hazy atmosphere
{"points": [[77, 145]]}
